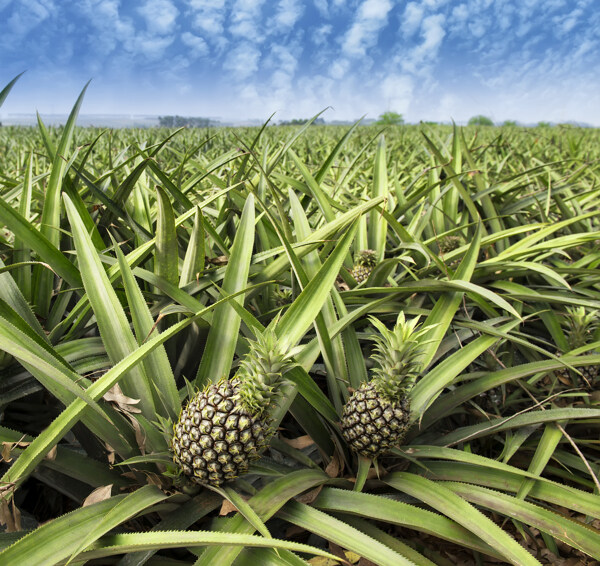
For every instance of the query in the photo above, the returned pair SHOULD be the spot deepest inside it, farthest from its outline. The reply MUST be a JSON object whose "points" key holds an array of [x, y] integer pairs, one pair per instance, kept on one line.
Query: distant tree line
{"points": [[390, 119], [301, 122], [185, 121]]}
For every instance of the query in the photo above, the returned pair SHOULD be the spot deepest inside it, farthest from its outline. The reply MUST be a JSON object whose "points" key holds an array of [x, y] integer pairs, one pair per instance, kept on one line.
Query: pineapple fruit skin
{"points": [[361, 273], [367, 260], [590, 375], [450, 243], [215, 439], [371, 425]]}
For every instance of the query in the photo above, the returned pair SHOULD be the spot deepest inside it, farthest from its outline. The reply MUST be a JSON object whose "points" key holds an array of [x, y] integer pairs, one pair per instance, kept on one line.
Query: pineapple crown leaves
{"points": [[398, 353], [261, 370], [582, 326]]}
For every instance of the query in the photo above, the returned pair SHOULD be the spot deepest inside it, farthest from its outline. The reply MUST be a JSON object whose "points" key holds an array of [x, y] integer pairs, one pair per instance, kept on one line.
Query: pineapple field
{"points": [[299, 345]]}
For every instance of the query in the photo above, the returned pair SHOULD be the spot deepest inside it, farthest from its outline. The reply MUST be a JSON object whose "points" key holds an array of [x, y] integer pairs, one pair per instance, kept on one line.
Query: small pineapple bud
{"points": [[581, 326], [283, 296], [365, 263], [450, 243]]}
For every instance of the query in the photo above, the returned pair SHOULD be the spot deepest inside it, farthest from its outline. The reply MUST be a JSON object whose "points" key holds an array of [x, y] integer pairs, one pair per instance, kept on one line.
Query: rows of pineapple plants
{"points": [[225, 271]]}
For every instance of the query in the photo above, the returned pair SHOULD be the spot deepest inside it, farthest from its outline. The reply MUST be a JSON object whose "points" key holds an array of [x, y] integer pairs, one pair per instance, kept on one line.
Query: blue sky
{"points": [[526, 60]]}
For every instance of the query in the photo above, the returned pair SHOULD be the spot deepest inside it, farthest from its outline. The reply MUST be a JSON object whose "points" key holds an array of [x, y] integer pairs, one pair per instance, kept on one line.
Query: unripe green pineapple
{"points": [[226, 426], [450, 243], [376, 417], [366, 262], [581, 327]]}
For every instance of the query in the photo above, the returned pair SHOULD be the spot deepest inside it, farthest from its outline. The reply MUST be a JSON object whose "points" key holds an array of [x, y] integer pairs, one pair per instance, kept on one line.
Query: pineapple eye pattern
{"points": [[219, 436]]}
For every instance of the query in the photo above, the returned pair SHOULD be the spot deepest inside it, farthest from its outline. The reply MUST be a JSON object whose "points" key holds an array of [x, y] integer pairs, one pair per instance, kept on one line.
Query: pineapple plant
{"points": [[376, 416], [364, 265], [226, 425], [581, 327]]}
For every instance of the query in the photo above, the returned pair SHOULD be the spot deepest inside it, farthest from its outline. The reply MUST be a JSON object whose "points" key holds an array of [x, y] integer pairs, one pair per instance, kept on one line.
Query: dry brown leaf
{"points": [[338, 551], [52, 454], [219, 260], [565, 380], [99, 494], [130, 476], [124, 403], [227, 508], [334, 467], [154, 479], [300, 442], [10, 516], [111, 453], [341, 285], [140, 435], [7, 448], [308, 497]]}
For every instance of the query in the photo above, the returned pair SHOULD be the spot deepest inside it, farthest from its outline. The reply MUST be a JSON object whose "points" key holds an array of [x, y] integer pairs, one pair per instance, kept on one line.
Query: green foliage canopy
{"points": [[390, 119], [480, 120]]}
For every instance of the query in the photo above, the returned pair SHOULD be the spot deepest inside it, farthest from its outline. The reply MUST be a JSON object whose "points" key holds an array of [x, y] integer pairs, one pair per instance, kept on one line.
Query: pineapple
{"points": [[283, 296], [226, 426], [450, 243], [376, 417], [367, 260], [581, 327]]}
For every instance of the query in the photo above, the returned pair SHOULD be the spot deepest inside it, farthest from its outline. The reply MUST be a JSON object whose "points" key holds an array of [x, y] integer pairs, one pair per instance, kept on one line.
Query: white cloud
{"points": [[504, 15], [435, 4], [460, 13], [397, 92], [568, 21], [339, 68], [432, 32], [411, 20], [197, 45], [478, 28], [285, 62], [288, 13], [370, 18], [112, 28], [320, 36], [584, 48], [208, 16], [242, 61], [246, 19], [322, 7], [149, 45], [160, 16], [28, 14]]}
